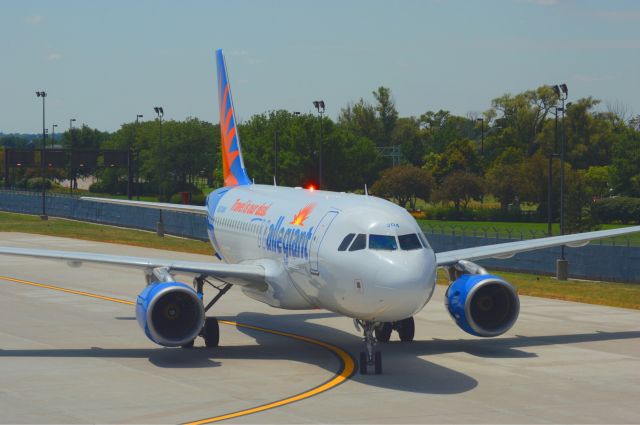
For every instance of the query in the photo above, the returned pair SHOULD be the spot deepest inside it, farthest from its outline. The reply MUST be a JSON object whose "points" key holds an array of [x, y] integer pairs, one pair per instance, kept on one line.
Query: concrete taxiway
{"points": [[69, 358]]}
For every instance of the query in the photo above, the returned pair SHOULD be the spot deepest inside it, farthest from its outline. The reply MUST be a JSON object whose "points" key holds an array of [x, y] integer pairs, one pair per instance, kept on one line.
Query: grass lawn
{"points": [[603, 293], [626, 295], [505, 229], [10, 222]]}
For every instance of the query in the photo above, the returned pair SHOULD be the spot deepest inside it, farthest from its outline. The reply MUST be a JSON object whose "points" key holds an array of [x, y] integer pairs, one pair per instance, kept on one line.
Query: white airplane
{"points": [[293, 248]]}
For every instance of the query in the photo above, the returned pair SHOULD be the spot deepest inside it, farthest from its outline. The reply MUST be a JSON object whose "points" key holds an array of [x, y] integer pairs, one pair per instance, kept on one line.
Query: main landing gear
{"points": [[211, 330], [406, 330], [381, 331]]}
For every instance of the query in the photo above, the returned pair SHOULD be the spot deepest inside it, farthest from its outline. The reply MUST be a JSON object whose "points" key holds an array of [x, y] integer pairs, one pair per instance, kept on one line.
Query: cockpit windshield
{"points": [[383, 242], [409, 242]]}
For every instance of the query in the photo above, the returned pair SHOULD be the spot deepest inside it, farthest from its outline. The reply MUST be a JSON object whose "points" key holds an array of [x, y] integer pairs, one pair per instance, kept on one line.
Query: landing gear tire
{"points": [[369, 357], [363, 363], [211, 332], [378, 362], [188, 344], [406, 329], [383, 332]]}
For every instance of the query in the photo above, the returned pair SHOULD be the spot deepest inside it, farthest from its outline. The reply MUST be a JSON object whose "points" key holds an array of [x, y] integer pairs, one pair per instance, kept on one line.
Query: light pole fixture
{"points": [[43, 95], [71, 170], [563, 93], [319, 105], [482, 139], [160, 226]]}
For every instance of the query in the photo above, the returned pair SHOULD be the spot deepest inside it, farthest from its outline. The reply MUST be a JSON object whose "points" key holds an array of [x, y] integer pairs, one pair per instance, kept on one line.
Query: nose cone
{"points": [[404, 283]]}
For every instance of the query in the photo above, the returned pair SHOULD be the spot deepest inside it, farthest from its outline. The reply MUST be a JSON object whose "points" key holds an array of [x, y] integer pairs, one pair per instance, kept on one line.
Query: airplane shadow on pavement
{"points": [[404, 365]]}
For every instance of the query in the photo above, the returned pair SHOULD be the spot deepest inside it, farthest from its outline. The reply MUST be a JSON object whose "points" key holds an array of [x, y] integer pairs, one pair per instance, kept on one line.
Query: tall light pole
{"points": [[319, 105], [43, 95], [131, 157], [53, 134], [550, 179], [71, 174], [160, 112], [562, 269], [275, 157]]}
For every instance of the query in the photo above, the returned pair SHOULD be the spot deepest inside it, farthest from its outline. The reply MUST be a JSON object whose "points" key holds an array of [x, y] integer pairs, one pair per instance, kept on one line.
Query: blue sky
{"points": [[103, 62]]}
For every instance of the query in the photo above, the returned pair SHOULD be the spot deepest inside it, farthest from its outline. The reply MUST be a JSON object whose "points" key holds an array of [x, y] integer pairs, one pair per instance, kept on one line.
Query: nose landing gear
{"points": [[370, 358]]}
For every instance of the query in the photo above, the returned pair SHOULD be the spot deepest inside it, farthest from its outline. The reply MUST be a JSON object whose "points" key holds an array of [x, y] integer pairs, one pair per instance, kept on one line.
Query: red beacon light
{"points": [[311, 188]]}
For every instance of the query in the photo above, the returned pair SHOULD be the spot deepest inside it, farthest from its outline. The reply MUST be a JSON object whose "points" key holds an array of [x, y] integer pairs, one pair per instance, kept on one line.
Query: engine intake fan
{"points": [[170, 313], [482, 304]]}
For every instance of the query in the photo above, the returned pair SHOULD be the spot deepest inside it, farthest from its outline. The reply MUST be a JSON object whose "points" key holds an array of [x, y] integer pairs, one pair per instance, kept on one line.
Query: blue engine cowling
{"points": [[170, 313], [482, 304]]}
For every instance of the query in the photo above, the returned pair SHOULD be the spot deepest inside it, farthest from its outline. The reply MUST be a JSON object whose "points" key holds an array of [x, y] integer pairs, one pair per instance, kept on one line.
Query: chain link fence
{"points": [[608, 260]]}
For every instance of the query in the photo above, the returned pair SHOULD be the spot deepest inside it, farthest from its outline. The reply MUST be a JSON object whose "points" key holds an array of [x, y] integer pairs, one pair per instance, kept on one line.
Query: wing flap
{"points": [[245, 275], [506, 250]]}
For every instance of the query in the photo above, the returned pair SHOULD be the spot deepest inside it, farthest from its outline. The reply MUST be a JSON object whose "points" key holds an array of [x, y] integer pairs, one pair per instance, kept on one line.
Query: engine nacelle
{"points": [[170, 313], [482, 304]]}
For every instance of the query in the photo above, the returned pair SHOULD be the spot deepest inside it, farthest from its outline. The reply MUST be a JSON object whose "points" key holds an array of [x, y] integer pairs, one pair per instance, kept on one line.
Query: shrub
{"points": [[35, 183], [618, 209], [196, 199]]}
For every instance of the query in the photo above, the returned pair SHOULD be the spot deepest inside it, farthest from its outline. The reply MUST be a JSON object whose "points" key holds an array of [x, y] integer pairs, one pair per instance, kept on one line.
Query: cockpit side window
{"points": [[383, 242], [424, 240], [346, 241], [409, 242], [360, 242]]}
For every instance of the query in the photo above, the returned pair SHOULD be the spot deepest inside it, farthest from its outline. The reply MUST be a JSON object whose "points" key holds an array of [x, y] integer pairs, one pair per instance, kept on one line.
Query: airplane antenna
{"points": [[254, 180], [274, 181], [366, 192]]}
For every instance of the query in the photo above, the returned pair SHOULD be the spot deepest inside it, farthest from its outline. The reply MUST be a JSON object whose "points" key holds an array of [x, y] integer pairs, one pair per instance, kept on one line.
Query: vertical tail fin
{"points": [[232, 164]]}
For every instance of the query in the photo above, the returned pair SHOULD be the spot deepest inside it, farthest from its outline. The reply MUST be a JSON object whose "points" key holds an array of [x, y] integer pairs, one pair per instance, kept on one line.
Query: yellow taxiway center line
{"points": [[346, 370], [71, 291]]}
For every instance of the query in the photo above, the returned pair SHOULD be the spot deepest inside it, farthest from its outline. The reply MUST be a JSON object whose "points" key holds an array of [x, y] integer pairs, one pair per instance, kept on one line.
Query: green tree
{"points": [[596, 181], [522, 118], [504, 181], [408, 136], [625, 165], [387, 113], [459, 155], [404, 184], [460, 187]]}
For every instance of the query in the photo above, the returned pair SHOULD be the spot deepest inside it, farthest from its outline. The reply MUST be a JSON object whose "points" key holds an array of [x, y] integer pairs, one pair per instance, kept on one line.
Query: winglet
{"points": [[232, 165]]}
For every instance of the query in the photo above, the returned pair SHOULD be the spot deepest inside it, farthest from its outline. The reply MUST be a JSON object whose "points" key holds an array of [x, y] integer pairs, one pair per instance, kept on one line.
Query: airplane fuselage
{"points": [[356, 255]]}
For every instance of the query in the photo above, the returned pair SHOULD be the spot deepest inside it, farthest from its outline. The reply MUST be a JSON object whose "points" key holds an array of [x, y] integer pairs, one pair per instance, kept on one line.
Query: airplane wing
{"points": [[245, 275], [509, 249], [195, 209]]}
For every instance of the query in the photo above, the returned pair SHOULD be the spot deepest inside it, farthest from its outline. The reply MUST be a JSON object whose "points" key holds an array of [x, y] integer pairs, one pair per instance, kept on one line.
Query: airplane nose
{"points": [[405, 284]]}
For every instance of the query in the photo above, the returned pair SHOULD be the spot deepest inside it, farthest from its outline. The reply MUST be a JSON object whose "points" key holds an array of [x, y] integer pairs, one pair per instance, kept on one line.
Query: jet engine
{"points": [[170, 313], [482, 304]]}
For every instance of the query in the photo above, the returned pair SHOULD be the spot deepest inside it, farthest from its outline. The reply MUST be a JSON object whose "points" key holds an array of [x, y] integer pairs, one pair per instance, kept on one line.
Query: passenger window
{"points": [[409, 242], [360, 242], [382, 242], [346, 241]]}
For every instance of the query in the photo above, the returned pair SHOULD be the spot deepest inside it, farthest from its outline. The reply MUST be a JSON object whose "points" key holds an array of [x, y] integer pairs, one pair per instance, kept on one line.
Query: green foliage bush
{"points": [[196, 198], [35, 183], [480, 214], [618, 209]]}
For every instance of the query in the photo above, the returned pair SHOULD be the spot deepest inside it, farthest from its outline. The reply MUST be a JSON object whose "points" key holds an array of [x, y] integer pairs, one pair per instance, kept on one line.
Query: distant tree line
{"points": [[502, 151]]}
